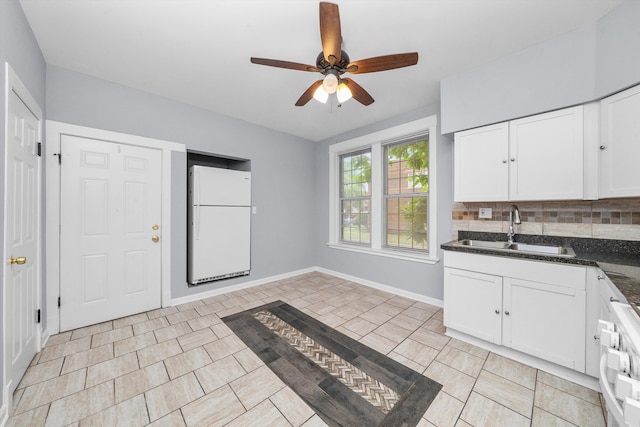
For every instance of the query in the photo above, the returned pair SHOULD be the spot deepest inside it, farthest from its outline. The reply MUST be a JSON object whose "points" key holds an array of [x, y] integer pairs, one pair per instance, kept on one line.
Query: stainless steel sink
{"points": [[482, 244], [561, 251], [543, 249]]}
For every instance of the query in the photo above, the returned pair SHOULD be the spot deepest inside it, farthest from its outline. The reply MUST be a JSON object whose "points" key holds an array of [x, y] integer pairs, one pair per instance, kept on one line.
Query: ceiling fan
{"points": [[333, 62]]}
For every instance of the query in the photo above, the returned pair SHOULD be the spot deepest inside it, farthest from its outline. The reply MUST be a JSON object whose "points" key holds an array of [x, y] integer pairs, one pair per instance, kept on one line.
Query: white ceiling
{"points": [[197, 51]]}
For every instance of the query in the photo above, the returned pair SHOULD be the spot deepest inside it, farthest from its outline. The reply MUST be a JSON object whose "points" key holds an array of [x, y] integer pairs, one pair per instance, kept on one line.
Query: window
{"points": [[382, 192], [406, 194], [355, 197]]}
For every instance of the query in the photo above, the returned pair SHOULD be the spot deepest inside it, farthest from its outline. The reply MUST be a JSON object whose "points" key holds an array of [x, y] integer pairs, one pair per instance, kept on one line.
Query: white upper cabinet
{"points": [[533, 158], [546, 156], [620, 144], [481, 167]]}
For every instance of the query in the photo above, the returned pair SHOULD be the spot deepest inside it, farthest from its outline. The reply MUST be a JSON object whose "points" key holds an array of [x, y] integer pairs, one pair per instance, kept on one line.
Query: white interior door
{"points": [[22, 238], [110, 230]]}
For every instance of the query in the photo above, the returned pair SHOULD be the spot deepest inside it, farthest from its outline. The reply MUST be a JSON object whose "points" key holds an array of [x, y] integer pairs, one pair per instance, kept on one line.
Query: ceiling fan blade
{"points": [[382, 63], [330, 32], [284, 64], [358, 93], [308, 94]]}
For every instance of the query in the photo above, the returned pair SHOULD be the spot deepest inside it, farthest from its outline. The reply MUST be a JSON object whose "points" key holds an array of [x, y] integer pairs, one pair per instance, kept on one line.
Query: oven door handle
{"points": [[612, 404]]}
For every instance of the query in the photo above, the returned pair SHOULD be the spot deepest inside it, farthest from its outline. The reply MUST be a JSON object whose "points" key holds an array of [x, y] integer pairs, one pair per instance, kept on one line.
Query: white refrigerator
{"points": [[219, 224]]}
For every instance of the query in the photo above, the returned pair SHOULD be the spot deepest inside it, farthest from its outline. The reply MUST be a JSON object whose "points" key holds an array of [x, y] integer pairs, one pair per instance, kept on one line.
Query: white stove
{"points": [[620, 363]]}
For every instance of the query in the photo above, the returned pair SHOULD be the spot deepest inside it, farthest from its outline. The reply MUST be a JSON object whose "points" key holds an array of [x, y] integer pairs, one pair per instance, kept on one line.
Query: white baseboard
{"points": [[253, 283], [245, 285], [4, 415], [386, 288], [44, 337], [6, 404]]}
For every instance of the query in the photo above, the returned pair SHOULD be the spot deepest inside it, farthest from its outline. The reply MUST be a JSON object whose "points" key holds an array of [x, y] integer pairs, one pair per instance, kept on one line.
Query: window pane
{"points": [[407, 222], [408, 167], [356, 175], [406, 194], [356, 221], [355, 196]]}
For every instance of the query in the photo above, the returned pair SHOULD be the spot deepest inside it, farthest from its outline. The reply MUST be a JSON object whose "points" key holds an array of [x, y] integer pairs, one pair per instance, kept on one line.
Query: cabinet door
{"points": [[620, 144], [546, 156], [481, 171], [546, 321], [472, 303], [592, 343]]}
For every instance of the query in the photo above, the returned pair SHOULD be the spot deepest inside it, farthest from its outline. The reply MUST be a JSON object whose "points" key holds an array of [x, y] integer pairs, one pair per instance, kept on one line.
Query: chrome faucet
{"points": [[514, 218]]}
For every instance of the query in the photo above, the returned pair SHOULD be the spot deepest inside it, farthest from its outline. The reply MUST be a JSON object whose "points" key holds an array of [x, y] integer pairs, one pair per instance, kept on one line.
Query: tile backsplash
{"points": [[617, 219]]}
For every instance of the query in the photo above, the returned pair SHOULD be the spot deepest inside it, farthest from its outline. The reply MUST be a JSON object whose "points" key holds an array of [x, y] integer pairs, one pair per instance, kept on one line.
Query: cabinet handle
{"points": [[602, 147], [506, 312], [504, 161], [600, 277], [612, 299], [497, 311], [513, 159], [595, 337]]}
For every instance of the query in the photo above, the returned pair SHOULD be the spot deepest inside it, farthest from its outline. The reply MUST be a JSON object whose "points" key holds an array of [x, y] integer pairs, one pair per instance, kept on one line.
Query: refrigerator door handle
{"points": [[196, 203]]}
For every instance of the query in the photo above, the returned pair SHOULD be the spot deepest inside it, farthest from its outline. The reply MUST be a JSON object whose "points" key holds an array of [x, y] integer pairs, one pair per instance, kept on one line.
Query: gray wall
{"points": [[618, 49], [578, 67], [19, 48], [418, 278], [282, 167]]}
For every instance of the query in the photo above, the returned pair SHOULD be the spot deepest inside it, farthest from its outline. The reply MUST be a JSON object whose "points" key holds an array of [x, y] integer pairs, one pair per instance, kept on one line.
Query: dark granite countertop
{"points": [[619, 259]]}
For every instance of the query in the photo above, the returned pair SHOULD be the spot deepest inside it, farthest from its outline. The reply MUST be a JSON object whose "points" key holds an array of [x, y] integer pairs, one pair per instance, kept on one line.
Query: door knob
{"points": [[155, 239], [20, 260], [155, 227]]}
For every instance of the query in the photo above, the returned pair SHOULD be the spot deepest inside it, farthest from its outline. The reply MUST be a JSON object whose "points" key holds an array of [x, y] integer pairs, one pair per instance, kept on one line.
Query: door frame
{"points": [[52, 149], [13, 83]]}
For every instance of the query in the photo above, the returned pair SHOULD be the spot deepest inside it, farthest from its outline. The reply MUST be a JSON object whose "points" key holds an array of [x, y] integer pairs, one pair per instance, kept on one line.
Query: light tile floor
{"points": [[182, 366]]}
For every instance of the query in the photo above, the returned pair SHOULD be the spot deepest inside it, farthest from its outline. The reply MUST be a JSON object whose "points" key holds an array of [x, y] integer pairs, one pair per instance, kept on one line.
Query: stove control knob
{"points": [[604, 325], [618, 360], [627, 387], [610, 339]]}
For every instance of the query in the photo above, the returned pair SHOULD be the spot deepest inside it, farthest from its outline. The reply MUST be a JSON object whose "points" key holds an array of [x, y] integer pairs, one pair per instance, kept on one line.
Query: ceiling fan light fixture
{"points": [[343, 94], [321, 95], [330, 83]]}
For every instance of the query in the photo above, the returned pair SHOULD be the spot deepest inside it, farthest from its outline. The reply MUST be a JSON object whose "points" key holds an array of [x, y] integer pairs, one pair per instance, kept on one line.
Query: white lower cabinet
{"points": [[536, 308], [473, 303]]}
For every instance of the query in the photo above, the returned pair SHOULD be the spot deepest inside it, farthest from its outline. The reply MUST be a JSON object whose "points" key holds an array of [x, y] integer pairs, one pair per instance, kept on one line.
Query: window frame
{"points": [[376, 142]]}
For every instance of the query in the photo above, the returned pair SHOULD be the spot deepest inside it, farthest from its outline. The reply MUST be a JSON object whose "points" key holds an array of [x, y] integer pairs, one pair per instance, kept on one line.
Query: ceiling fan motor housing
{"points": [[324, 66]]}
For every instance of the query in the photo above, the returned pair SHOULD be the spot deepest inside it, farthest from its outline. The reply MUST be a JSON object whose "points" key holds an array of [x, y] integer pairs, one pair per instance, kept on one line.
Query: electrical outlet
{"points": [[485, 213]]}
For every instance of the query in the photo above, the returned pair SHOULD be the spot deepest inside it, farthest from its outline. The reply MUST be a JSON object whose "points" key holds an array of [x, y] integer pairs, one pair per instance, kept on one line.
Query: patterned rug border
{"points": [[333, 401]]}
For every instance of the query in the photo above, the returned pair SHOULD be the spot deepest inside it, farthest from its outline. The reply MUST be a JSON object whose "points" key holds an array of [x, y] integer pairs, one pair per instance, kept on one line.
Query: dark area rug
{"points": [[344, 381]]}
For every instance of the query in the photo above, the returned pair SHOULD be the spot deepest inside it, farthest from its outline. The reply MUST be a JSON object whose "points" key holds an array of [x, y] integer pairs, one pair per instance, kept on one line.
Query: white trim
{"points": [[376, 141], [386, 253], [4, 409], [379, 286], [14, 83], [245, 285], [369, 283], [51, 148]]}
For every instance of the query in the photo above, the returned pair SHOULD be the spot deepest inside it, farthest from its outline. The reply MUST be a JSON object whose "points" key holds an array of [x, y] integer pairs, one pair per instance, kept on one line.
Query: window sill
{"points": [[424, 259]]}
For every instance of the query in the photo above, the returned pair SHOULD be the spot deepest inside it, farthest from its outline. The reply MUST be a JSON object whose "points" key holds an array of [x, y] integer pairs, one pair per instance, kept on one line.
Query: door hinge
{"points": [[38, 315], [58, 301], [59, 157], [39, 149]]}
